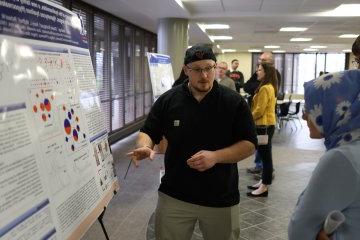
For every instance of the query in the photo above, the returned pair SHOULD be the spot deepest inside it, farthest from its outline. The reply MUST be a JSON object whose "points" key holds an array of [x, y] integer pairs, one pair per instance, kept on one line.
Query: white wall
{"points": [[244, 62]]}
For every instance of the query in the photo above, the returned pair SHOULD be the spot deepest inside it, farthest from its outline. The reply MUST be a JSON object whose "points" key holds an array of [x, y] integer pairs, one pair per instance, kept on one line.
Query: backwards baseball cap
{"points": [[198, 52]]}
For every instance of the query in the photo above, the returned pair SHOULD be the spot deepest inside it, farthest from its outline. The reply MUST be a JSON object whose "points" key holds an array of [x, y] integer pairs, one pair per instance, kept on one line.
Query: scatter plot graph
{"points": [[42, 105], [43, 102], [74, 137]]}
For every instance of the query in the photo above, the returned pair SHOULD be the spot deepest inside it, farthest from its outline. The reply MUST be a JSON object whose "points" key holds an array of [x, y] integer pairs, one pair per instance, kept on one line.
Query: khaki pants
{"points": [[175, 220]]}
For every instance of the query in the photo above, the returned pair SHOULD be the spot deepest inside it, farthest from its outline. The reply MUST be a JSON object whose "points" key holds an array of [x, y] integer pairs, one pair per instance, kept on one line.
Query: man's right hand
{"points": [[140, 154]]}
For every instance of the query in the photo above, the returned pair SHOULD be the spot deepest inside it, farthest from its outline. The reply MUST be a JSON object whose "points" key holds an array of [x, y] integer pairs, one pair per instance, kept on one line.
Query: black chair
{"points": [[280, 96], [283, 113], [294, 115]]}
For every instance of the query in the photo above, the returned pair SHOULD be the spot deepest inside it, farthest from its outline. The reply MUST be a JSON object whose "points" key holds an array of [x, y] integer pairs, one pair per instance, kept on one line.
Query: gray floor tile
{"points": [[252, 205], [275, 227], [273, 212], [243, 210], [254, 218], [255, 233], [244, 224]]}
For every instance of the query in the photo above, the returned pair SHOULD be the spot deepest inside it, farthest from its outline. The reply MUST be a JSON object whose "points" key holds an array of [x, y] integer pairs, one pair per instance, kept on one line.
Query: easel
{"points": [[100, 219]]}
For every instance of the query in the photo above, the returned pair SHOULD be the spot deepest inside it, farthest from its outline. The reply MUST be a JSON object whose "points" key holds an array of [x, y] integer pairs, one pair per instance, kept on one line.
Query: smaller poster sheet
{"points": [[161, 73]]}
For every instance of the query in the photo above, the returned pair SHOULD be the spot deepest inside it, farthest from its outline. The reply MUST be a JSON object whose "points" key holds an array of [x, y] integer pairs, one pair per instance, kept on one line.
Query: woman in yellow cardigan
{"points": [[263, 111]]}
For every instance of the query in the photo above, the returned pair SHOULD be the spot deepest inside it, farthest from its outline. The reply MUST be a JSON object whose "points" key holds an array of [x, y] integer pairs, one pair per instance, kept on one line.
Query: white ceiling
{"points": [[253, 23]]}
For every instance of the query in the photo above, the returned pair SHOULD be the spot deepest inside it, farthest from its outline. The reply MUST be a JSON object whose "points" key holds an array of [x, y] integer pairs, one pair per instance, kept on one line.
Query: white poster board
{"points": [[56, 169], [161, 73]]}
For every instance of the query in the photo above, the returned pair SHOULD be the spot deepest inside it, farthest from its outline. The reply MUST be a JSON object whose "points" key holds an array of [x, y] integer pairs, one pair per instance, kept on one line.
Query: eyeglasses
{"points": [[206, 70], [356, 62]]}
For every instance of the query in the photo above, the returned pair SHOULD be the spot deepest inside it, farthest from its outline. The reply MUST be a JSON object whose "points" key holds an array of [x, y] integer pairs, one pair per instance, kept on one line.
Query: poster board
{"points": [[161, 73], [56, 168]]}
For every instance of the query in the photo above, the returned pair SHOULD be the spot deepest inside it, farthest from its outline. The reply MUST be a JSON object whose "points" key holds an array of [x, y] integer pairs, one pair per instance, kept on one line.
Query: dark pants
{"points": [[266, 155]]}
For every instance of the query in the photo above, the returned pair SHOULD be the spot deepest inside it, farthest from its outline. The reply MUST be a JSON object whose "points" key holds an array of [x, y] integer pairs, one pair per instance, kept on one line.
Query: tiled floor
{"points": [[294, 154]]}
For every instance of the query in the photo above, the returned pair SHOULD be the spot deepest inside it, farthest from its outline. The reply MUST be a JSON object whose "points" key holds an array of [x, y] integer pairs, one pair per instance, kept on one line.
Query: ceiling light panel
{"points": [[310, 50], [228, 50], [279, 51], [271, 46], [254, 50], [344, 10], [216, 38], [179, 2], [349, 36], [213, 26], [293, 29], [300, 39]]}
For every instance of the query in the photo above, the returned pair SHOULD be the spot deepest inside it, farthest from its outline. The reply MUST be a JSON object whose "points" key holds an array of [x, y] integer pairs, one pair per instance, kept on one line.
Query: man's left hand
{"points": [[202, 160]]}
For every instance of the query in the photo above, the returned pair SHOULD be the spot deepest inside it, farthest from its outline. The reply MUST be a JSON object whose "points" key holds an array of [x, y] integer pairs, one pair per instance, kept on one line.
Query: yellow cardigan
{"points": [[263, 106]]}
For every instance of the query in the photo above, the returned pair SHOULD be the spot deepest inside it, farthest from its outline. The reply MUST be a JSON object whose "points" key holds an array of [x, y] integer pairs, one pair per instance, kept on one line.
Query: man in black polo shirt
{"points": [[209, 129]]}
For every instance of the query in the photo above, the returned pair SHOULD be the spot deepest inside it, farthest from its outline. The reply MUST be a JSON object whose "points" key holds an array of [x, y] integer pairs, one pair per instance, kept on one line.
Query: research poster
{"points": [[56, 167], [161, 74]]}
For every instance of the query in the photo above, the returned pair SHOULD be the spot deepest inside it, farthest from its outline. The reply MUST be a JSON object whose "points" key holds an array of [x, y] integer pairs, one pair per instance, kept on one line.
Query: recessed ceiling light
{"points": [[278, 51], [271, 46], [344, 10], [300, 39], [228, 50], [204, 27], [214, 38], [349, 36], [318, 46], [254, 50], [293, 29], [311, 50], [179, 2], [214, 26], [346, 50]]}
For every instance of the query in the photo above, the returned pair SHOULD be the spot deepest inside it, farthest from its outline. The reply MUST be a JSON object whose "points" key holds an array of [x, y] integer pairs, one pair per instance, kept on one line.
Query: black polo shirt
{"points": [[221, 119]]}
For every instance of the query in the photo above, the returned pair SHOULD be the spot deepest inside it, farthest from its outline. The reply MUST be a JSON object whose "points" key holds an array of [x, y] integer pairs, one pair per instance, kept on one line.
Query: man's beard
{"points": [[203, 89], [198, 89]]}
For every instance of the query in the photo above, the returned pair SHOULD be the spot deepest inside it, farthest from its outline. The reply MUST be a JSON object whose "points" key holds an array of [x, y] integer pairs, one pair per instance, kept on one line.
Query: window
{"points": [[139, 80], [297, 68], [147, 82], [287, 77], [335, 62], [305, 71], [101, 67], [117, 77], [129, 76]]}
